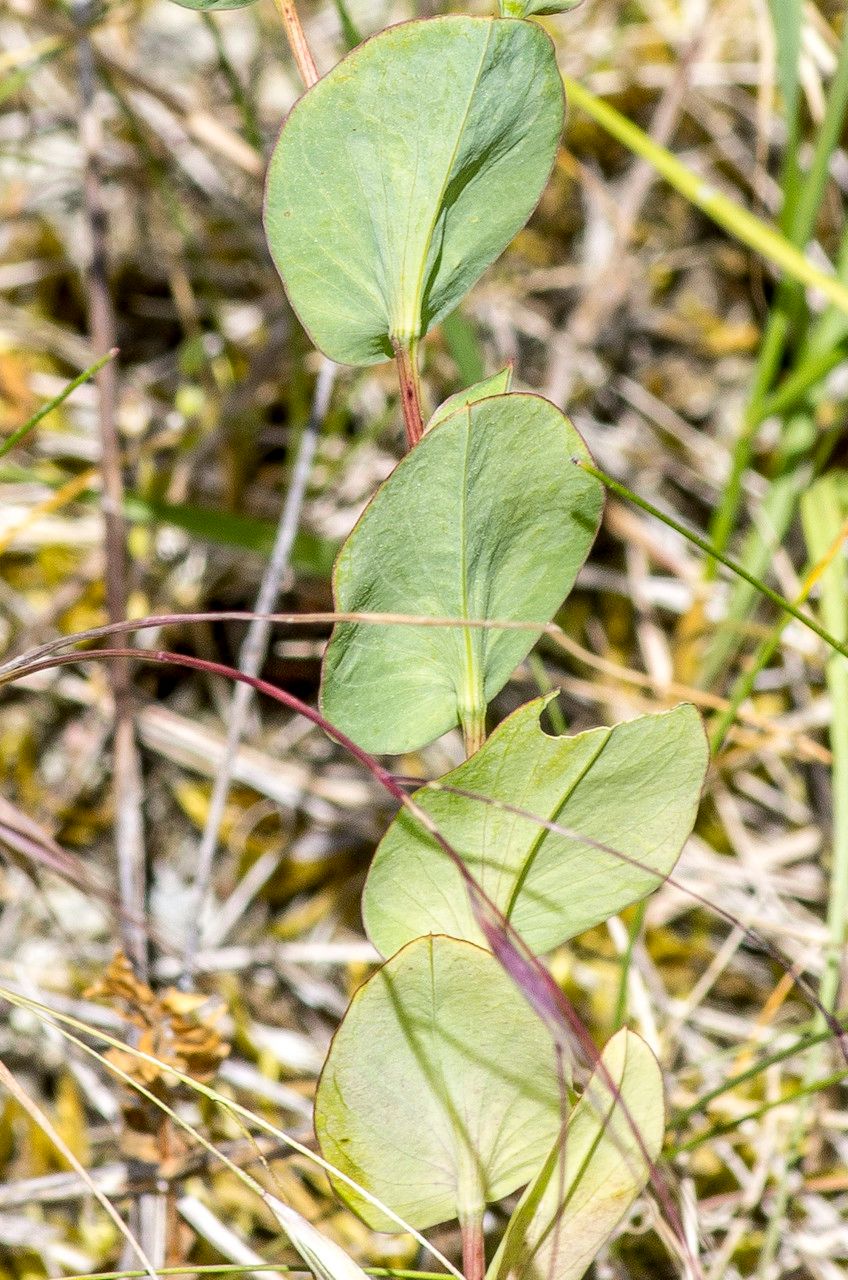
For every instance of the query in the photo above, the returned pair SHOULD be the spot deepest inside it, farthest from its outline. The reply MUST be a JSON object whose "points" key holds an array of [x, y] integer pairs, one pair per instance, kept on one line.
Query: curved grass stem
{"points": [[703, 544]]}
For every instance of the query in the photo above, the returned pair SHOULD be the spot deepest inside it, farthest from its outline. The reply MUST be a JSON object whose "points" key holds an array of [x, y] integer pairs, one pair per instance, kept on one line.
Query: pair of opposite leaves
{"points": [[440, 1092], [441, 1095], [397, 179]]}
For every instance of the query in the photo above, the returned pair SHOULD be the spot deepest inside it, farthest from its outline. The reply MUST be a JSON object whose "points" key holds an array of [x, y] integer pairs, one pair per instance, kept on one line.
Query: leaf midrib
{"points": [[542, 833], [428, 239], [473, 683]]}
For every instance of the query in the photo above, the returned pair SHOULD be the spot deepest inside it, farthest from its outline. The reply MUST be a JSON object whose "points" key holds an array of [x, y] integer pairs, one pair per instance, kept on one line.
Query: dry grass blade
{"points": [[23, 1099]]}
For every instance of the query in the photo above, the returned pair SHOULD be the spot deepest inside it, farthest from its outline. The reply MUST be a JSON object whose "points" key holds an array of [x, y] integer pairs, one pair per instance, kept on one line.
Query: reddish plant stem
{"points": [[473, 1247], [44, 658], [296, 37], [406, 359]]}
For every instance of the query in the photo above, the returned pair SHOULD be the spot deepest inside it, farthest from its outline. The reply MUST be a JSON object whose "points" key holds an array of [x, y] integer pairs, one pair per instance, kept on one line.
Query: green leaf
{"points": [[787, 19], [440, 1091], [535, 8], [591, 1178], [208, 5], [499, 384], [311, 553], [324, 1258], [403, 173], [486, 518], [634, 788], [464, 345]]}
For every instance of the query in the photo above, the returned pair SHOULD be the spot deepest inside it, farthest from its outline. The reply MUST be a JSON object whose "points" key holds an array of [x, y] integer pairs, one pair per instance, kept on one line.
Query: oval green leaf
{"points": [[497, 385], [403, 173], [440, 1093], [588, 1182], [634, 789], [486, 518]]}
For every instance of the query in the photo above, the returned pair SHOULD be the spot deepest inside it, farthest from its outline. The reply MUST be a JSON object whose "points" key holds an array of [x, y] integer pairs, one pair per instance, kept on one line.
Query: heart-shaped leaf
{"points": [[591, 1178], [497, 385], [633, 789], [440, 1092], [403, 173], [486, 518]]}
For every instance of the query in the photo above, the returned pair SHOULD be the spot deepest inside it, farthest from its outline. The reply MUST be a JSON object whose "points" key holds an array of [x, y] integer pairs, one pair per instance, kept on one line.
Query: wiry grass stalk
{"points": [[68, 1026], [823, 517]]}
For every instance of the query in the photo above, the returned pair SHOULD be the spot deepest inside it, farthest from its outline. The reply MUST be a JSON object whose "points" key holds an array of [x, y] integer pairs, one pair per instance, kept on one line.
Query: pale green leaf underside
{"points": [[440, 1092], [634, 788], [531, 8], [562, 1221], [497, 385], [209, 5], [403, 173], [486, 518]]}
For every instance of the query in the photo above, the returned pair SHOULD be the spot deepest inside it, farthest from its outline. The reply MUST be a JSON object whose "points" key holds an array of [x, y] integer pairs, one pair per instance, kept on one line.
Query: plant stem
{"points": [[474, 730], [824, 520], [252, 131], [29, 1107], [807, 1039], [406, 358], [296, 37], [633, 934], [771, 350], [746, 681], [473, 1247], [822, 516], [241, 1268], [791, 473], [800, 223]]}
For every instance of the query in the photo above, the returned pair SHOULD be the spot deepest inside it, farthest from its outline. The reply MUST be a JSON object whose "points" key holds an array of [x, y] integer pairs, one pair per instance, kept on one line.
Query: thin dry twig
{"points": [[129, 827], [298, 43], [253, 653]]}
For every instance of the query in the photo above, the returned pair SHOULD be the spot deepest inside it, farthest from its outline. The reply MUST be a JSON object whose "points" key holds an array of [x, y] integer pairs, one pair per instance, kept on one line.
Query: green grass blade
{"points": [[788, 316], [737, 221], [823, 514], [21, 432], [787, 20], [703, 544]]}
